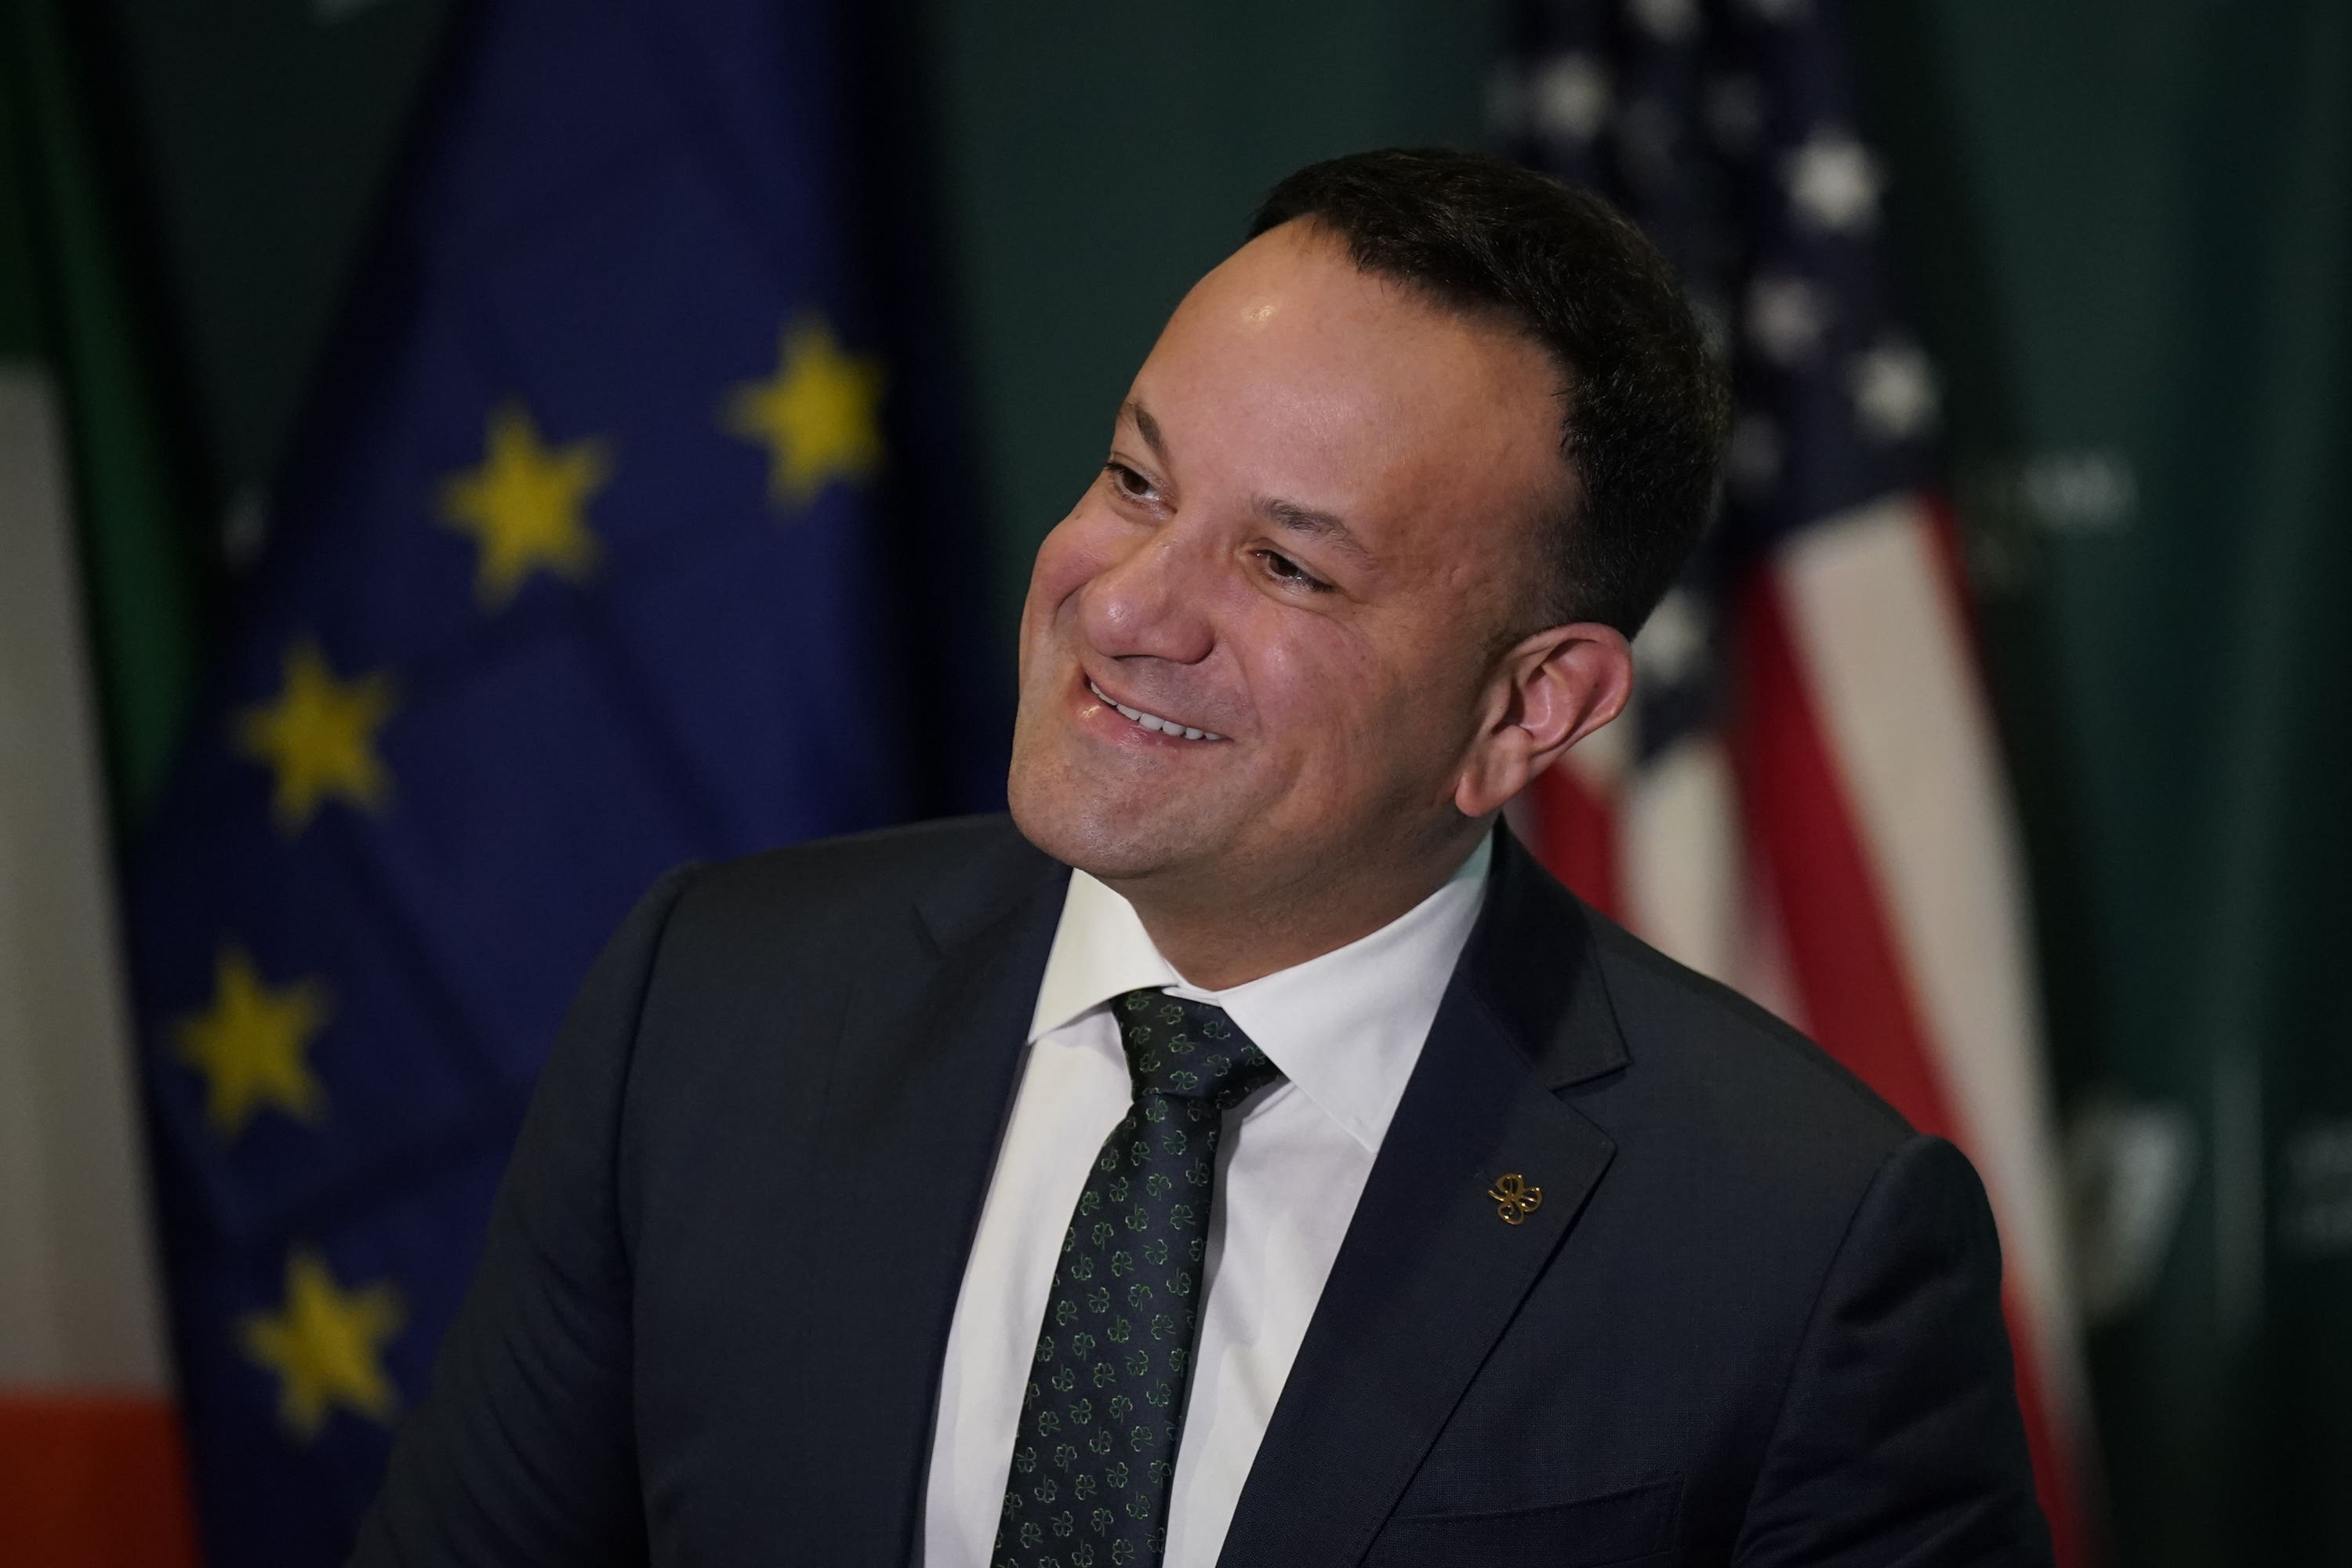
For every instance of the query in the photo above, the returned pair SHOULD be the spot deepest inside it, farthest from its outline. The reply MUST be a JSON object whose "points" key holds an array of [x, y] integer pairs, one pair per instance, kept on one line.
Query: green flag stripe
{"points": [[134, 544]]}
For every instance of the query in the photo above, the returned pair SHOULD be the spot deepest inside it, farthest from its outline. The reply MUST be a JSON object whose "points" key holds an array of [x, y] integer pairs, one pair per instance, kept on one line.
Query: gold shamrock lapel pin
{"points": [[1514, 1199]]}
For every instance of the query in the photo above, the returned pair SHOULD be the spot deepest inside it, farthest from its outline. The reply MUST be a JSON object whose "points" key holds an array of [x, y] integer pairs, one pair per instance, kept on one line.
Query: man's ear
{"points": [[1549, 693]]}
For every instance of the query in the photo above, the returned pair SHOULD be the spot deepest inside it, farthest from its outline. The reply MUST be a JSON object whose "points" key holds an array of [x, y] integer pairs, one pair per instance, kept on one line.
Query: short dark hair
{"points": [[1645, 405]]}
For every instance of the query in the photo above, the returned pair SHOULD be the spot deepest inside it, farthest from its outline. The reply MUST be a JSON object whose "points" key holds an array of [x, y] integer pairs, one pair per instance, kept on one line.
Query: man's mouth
{"points": [[1153, 721]]}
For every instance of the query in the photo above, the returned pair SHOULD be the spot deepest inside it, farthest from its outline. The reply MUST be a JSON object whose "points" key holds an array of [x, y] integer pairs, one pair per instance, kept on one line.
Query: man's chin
{"points": [[1104, 839]]}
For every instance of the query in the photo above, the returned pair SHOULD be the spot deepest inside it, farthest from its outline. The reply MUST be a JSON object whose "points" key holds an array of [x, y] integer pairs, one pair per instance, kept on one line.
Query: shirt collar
{"points": [[1346, 1026]]}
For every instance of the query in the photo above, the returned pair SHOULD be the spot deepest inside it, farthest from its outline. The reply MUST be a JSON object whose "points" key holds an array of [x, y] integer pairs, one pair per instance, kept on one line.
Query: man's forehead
{"points": [[1295, 300], [1300, 276], [1329, 369]]}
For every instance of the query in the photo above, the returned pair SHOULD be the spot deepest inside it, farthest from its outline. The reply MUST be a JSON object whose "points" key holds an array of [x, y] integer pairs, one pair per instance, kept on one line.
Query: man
{"points": [[1247, 1156]]}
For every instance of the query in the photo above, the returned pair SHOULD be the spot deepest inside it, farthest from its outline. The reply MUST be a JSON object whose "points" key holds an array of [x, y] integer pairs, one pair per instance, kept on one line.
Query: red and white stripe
{"points": [[91, 1468], [1843, 851]]}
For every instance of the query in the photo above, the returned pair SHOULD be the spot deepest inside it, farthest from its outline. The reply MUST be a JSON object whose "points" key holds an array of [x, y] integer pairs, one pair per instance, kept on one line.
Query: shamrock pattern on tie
{"points": [[1095, 1455]]}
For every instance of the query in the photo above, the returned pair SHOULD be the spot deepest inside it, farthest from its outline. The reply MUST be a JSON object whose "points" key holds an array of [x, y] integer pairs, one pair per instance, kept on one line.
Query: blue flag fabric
{"points": [[584, 565]]}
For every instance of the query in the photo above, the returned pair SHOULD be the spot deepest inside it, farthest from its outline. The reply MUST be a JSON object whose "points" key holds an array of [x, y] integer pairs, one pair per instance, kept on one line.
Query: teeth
{"points": [[1153, 721]]}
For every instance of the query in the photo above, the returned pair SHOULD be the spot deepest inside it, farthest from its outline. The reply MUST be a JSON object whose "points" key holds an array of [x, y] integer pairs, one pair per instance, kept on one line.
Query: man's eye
{"points": [[1127, 481], [1283, 569]]}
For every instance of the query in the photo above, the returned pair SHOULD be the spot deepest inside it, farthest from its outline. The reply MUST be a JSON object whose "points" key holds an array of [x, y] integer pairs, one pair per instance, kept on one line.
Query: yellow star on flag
{"points": [[249, 1045], [318, 737], [326, 1346], [526, 506], [818, 416]]}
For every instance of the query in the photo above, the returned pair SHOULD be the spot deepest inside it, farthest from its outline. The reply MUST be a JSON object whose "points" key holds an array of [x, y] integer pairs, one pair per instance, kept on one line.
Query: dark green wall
{"points": [[259, 133], [2131, 222]]}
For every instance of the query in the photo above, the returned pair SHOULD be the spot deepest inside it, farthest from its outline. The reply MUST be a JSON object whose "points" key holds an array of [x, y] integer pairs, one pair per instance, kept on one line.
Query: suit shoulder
{"points": [[1741, 1061], [896, 862], [832, 889]]}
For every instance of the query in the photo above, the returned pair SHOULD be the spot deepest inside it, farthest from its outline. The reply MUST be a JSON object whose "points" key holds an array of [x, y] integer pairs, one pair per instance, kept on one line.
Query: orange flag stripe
{"points": [[93, 1481]]}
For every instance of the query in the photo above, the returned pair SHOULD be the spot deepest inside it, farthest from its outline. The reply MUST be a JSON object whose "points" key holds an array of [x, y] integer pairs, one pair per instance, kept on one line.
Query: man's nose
{"points": [[1152, 602]]}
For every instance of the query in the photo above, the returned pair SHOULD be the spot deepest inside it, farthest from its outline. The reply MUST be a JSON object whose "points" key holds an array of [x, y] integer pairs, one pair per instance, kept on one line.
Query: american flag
{"points": [[1806, 800]]}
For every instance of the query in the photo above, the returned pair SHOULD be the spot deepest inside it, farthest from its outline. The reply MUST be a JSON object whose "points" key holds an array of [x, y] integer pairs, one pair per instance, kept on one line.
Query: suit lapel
{"points": [[1431, 1274], [915, 1109]]}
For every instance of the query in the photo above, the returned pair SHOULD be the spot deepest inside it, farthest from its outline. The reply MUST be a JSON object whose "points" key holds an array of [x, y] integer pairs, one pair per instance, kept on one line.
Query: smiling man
{"points": [[1245, 1154]]}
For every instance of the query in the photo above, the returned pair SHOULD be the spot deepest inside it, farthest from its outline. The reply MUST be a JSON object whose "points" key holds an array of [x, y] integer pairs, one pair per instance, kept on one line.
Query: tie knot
{"points": [[1188, 1050]]}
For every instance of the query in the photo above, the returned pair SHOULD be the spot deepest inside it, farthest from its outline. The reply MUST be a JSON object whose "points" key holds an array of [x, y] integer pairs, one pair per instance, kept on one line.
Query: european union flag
{"points": [[585, 565]]}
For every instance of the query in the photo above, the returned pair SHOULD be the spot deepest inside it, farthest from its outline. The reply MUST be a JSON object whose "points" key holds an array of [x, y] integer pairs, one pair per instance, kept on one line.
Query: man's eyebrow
{"points": [[1315, 524], [1146, 426]]}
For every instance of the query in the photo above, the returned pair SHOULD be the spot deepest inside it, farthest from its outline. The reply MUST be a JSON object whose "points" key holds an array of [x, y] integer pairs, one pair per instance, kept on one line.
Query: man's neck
{"points": [[1218, 938]]}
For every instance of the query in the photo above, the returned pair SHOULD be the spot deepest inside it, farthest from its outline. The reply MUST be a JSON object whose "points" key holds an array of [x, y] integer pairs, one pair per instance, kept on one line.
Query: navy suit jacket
{"points": [[1755, 1319]]}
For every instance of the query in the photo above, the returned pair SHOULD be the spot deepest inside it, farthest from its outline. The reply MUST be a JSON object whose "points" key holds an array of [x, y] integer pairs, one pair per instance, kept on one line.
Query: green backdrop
{"points": [[2131, 224]]}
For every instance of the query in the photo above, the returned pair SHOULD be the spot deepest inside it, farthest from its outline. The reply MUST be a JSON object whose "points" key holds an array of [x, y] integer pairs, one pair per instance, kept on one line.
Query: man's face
{"points": [[1315, 522]]}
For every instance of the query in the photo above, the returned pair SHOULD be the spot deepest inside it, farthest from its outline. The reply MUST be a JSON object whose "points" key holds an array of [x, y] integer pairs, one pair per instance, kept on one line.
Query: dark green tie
{"points": [[1094, 1454]]}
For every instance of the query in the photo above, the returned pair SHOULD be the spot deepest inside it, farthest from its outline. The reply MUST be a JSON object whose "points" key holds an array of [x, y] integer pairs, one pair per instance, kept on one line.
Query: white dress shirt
{"points": [[1346, 1028]]}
